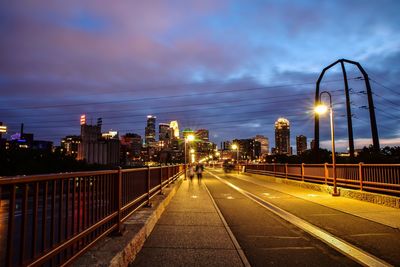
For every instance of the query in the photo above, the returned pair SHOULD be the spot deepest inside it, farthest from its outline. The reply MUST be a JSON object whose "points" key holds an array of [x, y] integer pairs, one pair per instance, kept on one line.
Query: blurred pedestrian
{"points": [[199, 170], [191, 171]]}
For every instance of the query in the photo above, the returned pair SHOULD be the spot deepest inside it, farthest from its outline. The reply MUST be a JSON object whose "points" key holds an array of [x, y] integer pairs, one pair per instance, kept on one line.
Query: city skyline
{"points": [[182, 64]]}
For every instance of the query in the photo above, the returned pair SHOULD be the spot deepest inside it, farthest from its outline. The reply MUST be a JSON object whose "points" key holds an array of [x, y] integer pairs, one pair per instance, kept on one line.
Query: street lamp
{"points": [[322, 109], [188, 138], [236, 147]]}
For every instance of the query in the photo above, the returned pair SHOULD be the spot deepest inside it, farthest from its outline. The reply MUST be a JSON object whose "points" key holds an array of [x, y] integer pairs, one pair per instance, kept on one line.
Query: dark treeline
{"points": [[27, 161], [366, 155]]}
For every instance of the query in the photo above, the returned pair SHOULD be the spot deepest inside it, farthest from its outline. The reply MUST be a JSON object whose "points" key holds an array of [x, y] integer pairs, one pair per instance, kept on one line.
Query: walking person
{"points": [[199, 170], [191, 172]]}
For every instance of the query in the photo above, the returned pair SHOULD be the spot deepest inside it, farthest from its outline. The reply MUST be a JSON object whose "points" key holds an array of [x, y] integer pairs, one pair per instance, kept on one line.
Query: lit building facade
{"points": [[70, 144], [175, 129], [301, 144], [249, 149], [98, 150], [150, 130], [282, 137], [264, 143]]}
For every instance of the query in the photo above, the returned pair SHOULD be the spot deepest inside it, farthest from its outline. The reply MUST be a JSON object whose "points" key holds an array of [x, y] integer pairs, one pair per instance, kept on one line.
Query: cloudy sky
{"points": [[232, 67]]}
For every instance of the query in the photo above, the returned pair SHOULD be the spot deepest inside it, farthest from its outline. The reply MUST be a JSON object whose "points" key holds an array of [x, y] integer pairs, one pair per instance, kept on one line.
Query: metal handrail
{"points": [[382, 178], [51, 219]]}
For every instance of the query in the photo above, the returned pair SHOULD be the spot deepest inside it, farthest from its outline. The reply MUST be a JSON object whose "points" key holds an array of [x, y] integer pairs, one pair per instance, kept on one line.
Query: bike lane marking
{"points": [[340, 245]]}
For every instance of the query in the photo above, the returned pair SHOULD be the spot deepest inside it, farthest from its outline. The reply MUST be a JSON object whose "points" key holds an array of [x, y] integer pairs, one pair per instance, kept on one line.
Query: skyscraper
{"points": [[301, 144], [264, 144], [175, 128], [164, 131], [282, 137], [150, 130]]}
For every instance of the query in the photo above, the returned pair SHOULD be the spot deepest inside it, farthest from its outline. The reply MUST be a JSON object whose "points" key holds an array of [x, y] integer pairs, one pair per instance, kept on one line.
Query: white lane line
{"points": [[231, 235], [340, 245]]}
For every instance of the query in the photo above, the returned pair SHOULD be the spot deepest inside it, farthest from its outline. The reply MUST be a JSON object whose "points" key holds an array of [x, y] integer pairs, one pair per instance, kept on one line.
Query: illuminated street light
{"points": [[322, 109], [188, 138], [236, 147]]}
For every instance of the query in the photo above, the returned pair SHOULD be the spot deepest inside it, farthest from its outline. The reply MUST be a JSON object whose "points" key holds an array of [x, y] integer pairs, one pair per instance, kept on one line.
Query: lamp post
{"points": [[188, 138], [321, 109], [236, 147]]}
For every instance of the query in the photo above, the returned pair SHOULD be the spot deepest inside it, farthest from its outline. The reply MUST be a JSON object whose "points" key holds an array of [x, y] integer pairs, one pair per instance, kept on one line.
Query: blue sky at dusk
{"points": [[232, 67]]}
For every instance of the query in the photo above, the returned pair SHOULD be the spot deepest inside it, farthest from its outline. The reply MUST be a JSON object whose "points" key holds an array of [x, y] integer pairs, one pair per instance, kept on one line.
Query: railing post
{"points": [[326, 172], [161, 192], [286, 170], [119, 199], [274, 169], [302, 172], [360, 175], [148, 187]]}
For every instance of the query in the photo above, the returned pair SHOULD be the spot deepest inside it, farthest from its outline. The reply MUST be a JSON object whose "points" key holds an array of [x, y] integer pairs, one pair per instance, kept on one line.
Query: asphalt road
{"points": [[268, 239]]}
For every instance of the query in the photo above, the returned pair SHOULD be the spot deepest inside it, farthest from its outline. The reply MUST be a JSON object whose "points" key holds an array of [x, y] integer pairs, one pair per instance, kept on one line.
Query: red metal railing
{"points": [[383, 178], [48, 220]]}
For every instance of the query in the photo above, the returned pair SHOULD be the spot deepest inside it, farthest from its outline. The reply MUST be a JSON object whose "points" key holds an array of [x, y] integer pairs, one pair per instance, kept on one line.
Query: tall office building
{"points": [[249, 149], [3, 129], [301, 144], [264, 144], [164, 132], [202, 135], [150, 130], [175, 128], [282, 137]]}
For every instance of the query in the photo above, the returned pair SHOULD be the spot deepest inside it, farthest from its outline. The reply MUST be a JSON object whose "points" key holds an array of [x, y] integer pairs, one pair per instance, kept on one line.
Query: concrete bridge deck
{"points": [[200, 227]]}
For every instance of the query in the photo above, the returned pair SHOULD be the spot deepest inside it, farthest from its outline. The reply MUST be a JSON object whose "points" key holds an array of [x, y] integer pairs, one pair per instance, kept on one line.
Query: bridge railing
{"points": [[48, 220], [383, 178]]}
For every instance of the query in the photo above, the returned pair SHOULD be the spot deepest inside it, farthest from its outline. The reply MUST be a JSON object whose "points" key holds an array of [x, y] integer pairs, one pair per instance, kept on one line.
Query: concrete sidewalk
{"points": [[190, 232], [373, 212]]}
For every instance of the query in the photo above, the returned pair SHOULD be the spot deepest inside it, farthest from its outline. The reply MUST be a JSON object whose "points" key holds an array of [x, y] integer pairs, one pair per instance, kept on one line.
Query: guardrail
{"points": [[48, 220], [383, 178]]}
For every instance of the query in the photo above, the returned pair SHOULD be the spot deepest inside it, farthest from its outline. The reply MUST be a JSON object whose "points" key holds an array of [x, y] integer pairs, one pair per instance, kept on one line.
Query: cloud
{"points": [[83, 52]]}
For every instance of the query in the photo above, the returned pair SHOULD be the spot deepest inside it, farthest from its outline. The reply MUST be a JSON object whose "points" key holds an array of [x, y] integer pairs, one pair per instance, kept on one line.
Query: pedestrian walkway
{"points": [[370, 211], [190, 233]]}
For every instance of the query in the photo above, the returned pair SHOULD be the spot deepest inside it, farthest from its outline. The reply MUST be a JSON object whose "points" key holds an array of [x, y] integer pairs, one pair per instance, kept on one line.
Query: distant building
{"points": [[264, 143], [202, 134], [42, 145], [3, 129], [150, 130], [226, 145], [249, 149], [175, 129], [301, 144], [96, 149], [282, 137], [70, 144], [131, 145]]}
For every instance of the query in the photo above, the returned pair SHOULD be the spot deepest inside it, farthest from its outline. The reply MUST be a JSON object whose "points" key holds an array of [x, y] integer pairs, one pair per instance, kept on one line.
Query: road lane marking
{"points": [[228, 229], [340, 245]]}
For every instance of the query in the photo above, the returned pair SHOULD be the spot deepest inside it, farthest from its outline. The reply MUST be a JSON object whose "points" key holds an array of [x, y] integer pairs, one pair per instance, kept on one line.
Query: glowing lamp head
{"points": [[321, 109], [190, 137], [234, 146], [192, 150]]}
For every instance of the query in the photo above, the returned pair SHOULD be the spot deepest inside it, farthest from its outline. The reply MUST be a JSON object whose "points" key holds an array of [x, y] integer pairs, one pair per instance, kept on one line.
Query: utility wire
{"points": [[157, 98]]}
